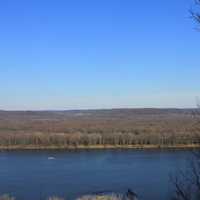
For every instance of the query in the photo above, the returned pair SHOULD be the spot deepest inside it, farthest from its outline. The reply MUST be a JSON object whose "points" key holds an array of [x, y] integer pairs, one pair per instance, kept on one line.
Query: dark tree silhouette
{"points": [[196, 12], [187, 182]]}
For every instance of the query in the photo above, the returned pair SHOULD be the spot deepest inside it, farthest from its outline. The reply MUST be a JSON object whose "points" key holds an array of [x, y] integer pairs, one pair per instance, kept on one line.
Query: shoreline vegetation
{"points": [[130, 195], [86, 197], [100, 129], [101, 147]]}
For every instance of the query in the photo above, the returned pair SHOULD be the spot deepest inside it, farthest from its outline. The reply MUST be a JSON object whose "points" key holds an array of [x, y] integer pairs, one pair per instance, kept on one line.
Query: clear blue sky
{"points": [[71, 54]]}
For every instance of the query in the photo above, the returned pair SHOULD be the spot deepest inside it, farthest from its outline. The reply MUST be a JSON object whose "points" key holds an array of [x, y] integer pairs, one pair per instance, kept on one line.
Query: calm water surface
{"points": [[30, 175]]}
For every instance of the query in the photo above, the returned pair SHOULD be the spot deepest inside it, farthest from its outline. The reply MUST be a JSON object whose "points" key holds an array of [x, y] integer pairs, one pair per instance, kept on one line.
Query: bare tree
{"points": [[195, 13], [187, 183]]}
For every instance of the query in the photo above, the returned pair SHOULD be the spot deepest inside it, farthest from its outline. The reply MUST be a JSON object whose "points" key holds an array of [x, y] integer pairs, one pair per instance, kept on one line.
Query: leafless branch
{"points": [[196, 14]]}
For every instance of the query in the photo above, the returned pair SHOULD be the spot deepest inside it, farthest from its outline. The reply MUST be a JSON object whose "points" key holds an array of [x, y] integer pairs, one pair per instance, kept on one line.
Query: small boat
{"points": [[51, 158]]}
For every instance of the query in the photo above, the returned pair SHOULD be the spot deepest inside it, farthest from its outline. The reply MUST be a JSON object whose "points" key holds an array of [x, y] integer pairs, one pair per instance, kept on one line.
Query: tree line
{"points": [[39, 139]]}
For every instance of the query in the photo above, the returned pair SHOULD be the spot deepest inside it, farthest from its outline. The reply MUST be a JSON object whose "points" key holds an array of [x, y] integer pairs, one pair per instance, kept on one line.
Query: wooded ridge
{"points": [[99, 128]]}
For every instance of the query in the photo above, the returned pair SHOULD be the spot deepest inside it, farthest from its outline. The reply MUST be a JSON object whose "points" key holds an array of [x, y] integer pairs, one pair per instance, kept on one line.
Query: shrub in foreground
{"points": [[6, 197], [101, 197], [55, 198]]}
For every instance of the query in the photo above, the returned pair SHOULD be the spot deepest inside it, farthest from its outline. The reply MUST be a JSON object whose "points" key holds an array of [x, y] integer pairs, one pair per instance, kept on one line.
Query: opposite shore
{"points": [[96, 147], [100, 129]]}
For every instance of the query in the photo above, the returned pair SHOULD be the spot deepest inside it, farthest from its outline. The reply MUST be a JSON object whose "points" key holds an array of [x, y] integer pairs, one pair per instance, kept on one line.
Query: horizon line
{"points": [[96, 109]]}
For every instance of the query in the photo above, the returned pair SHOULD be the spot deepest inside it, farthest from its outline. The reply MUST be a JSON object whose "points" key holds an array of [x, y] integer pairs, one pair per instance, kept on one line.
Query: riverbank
{"points": [[95, 147], [86, 197]]}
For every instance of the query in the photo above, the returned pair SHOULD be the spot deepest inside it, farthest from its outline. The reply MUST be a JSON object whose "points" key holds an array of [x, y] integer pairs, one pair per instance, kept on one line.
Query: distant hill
{"points": [[99, 127]]}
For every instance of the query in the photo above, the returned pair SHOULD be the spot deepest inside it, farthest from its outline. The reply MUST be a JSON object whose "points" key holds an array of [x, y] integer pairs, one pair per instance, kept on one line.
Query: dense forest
{"points": [[99, 128]]}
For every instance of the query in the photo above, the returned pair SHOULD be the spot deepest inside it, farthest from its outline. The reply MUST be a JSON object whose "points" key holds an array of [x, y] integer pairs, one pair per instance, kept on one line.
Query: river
{"points": [[35, 175]]}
